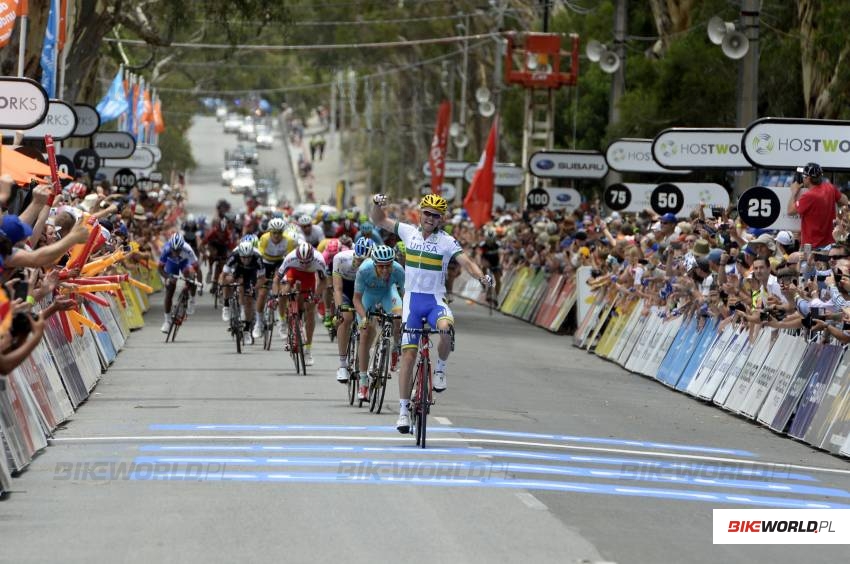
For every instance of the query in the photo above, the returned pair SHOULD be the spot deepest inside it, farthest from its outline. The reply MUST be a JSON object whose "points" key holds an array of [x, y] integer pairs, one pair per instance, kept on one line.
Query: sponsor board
{"points": [[454, 169], [567, 199], [447, 190], [141, 158], [88, 120], [505, 174], [683, 148], [568, 164], [635, 155], [680, 198], [157, 152], [780, 143], [23, 103], [59, 122], [114, 145], [764, 207]]}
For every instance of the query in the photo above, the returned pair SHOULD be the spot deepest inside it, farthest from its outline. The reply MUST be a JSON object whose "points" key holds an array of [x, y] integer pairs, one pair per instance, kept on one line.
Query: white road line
{"points": [[443, 420], [346, 438], [531, 501]]}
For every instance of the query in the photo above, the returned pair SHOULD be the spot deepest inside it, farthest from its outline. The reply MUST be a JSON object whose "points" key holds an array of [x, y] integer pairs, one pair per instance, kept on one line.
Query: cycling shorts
{"points": [[271, 267], [417, 306], [307, 279], [389, 301]]}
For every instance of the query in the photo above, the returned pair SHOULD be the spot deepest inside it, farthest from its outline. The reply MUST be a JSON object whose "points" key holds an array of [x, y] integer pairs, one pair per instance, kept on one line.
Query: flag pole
{"points": [[24, 13]]}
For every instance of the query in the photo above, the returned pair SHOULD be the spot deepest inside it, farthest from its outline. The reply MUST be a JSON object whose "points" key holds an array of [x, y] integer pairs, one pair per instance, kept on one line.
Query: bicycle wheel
{"points": [[214, 292], [295, 342], [268, 328], [237, 334], [353, 381], [423, 405], [380, 386]]}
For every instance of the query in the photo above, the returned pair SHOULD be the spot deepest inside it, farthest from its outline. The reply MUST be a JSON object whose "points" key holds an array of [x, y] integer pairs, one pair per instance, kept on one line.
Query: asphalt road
{"points": [[188, 452]]}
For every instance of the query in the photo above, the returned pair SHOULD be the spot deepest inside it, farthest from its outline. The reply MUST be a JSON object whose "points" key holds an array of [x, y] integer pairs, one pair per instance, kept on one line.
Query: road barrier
{"points": [[532, 295], [46, 389], [775, 378]]}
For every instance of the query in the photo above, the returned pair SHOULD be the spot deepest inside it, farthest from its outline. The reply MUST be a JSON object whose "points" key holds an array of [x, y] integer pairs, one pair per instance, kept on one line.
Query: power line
{"points": [[301, 87], [320, 47]]}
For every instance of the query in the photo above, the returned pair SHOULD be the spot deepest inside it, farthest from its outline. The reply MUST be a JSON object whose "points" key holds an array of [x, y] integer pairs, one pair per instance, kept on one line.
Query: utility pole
{"points": [[367, 90], [465, 79], [332, 124], [748, 81], [497, 65], [341, 90], [618, 82], [384, 130]]}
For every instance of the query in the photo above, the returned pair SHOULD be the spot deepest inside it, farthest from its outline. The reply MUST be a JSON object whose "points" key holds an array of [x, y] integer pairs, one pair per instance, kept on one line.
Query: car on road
{"points": [[229, 172], [220, 113], [246, 130], [243, 182], [232, 123], [265, 138], [250, 151]]}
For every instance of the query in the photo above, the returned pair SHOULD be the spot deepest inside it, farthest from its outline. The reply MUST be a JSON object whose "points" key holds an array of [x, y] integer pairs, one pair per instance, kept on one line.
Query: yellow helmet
{"points": [[439, 203]]}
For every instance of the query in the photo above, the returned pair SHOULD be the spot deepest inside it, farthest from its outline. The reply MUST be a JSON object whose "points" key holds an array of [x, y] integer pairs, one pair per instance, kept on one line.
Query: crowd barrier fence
{"points": [[46, 389], [783, 380]]}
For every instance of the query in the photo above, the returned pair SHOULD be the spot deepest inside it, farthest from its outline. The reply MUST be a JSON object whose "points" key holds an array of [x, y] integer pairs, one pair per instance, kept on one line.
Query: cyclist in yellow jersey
{"points": [[273, 246]]}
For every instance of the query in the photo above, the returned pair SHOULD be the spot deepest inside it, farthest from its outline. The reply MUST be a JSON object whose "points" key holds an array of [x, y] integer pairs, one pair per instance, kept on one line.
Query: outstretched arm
{"points": [[379, 216]]}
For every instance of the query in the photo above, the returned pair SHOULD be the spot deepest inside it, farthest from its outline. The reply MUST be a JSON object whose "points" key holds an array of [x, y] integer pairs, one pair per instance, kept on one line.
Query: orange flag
{"points": [[147, 116], [8, 13], [159, 123]]}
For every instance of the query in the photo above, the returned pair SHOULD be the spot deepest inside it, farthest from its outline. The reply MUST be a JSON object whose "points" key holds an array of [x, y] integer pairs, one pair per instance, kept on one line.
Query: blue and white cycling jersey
{"points": [[375, 290], [175, 265]]}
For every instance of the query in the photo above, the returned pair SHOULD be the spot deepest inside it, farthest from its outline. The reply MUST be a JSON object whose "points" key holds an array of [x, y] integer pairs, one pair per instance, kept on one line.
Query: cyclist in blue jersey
{"points": [[345, 266], [368, 231], [379, 281], [428, 250], [177, 256]]}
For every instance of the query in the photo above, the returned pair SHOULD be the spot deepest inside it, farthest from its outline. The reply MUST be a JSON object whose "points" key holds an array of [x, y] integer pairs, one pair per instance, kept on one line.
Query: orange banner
{"points": [[159, 123], [8, 14]]}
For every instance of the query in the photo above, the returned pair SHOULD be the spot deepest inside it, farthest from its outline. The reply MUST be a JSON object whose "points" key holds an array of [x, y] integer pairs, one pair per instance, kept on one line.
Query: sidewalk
{"points": [[326, 172]]}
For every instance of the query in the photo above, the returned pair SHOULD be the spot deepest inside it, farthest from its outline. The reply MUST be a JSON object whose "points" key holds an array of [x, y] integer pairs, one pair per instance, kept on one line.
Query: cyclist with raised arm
{"points": [[379, 282], [345, 265], [177, 257], [272, 246], [302, 266], [242, 266], [428, 250]]}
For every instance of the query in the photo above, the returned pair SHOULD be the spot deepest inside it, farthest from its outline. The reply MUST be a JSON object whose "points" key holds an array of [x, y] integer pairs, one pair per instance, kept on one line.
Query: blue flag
{"points": [[131, 122], [114, 103], [48, 52]]}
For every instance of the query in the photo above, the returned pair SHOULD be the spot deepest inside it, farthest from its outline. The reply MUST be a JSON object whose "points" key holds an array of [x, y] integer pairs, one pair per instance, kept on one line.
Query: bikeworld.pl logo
{"points": [[780, 527], [763, 144]]}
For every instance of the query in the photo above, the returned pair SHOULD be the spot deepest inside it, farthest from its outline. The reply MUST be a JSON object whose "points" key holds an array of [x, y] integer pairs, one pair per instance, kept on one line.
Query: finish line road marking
{"points": [[466, 440], [532, 502]]}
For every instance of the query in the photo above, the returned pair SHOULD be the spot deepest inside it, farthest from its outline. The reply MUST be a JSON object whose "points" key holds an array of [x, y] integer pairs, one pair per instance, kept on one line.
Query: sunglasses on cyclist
{"points": [[432, 215]]}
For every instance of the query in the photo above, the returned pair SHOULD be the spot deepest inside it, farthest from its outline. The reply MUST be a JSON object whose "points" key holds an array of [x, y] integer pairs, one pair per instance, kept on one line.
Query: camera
{"points": [[798, 175]]}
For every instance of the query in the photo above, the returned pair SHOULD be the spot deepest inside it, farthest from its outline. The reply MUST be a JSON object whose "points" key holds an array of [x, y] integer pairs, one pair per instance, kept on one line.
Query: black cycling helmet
{"points": [[222, 205], [813, 171]]}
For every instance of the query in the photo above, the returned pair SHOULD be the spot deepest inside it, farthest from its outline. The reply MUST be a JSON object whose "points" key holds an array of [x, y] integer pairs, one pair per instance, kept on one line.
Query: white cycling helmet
{"points": [[305, 220], [176, 241], [277, 224], [304, 252], [245, 249]]}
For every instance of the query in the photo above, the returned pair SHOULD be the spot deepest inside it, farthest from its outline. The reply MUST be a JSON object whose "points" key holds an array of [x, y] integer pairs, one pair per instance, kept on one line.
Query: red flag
{"points": [[437, 156], [479, 199]]}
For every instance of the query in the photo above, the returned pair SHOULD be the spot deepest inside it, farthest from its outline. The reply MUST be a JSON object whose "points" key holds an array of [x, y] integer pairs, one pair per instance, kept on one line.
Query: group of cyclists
{"points": [[265, 255]]}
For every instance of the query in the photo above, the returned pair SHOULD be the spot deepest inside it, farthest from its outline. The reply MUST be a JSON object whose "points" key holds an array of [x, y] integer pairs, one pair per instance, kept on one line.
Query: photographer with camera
{"points": [[814, 199]]}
